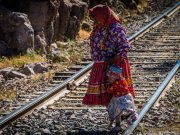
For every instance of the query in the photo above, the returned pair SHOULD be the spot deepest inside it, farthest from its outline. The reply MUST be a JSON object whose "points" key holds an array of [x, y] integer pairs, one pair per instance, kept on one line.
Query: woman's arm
{"points": [[122, 46]]}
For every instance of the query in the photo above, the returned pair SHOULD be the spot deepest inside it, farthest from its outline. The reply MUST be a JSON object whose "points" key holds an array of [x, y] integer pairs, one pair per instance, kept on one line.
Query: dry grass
{"points": [[8, 94], [82, 35], [141, 7], [19, 61]]}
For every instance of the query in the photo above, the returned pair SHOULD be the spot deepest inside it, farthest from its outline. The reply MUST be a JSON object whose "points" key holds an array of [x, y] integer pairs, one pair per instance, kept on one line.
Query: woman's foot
{"points": [[110, 125], [133, 118], [116, 129]]}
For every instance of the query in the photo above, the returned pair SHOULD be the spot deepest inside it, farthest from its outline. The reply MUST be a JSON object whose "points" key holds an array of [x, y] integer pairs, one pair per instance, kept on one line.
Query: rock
{"points": [[86, 26], [68, 113], [35, 114], [16, 31], [49, 121], [55, 50], [1, 78], [82, 131], [17, 133], [84, 111], [42, 116], [46, 132], [62, 44], [54, 45], [71, 13], [5, 71], [3, 48], [27, 70], [37, 24], [59, 133], [58, 127], [87, 1], [13, 74], [39, 68], [31, 65], [73, 117], [23, 36], [38, 10], [37, 133], [73, 27], [40, 42], [148, 19], [65, 6], [42, 15]]}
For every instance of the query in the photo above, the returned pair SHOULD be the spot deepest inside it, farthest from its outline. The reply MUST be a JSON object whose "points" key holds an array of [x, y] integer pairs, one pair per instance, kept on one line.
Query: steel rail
{"points": [[27, 107], [153, 98], [153, 22], [32, 104]]}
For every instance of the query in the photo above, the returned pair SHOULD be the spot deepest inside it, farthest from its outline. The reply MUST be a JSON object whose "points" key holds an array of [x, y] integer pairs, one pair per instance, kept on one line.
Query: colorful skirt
{"points": [[97, 93], [97, 90]]}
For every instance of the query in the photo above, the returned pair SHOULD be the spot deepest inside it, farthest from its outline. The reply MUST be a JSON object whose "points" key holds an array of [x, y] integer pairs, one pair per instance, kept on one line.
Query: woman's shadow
{"points": [[83, 132]]}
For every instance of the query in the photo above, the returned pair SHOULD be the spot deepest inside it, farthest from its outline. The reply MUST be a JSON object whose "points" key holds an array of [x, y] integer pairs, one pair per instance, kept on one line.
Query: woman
{"points": [[109, 46]]}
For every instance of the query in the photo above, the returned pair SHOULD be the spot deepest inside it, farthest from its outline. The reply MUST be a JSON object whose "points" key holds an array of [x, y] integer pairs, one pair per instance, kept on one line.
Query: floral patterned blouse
{"points": [[106, 43]]}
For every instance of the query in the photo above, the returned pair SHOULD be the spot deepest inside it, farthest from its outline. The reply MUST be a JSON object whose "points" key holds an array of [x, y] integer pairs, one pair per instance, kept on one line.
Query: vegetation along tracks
{"points": [[153, 55]]}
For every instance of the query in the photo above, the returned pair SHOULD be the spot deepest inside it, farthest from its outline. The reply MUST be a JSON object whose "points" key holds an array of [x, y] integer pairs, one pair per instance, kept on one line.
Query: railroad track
{"points": [[152, 57]]}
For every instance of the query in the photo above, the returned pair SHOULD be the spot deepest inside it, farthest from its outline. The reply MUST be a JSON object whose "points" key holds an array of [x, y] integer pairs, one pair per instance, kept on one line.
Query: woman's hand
{"points": [[108, 62], [112, 60]]}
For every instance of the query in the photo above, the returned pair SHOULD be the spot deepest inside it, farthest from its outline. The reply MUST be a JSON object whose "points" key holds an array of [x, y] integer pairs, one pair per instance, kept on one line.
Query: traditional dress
{"points": [[106, 41]]}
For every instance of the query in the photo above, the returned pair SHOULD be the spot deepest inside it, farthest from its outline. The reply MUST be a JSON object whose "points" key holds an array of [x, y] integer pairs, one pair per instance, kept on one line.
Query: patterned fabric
{"points": [[126, 74], [114, 72], [97, 91], [103, 14], [122, 105], [107, 42], [118, 88]]}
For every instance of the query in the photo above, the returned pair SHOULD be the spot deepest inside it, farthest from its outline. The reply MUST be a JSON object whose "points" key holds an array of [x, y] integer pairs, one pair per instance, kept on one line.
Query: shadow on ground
{"points": [[82, 132]]}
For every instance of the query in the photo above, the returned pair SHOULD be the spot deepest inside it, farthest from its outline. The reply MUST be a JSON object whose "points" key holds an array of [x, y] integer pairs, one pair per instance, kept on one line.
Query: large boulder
{"points": [[27, 70], [3, 48], [39, 68], [40, 42], [5, 71], [15, 74], [23, 35], [43, 15], [71, 14], [51, 20], [16, 31]]}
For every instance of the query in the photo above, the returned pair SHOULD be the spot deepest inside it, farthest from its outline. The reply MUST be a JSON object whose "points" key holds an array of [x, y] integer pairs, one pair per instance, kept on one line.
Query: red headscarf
{"points": [[104, 14]]}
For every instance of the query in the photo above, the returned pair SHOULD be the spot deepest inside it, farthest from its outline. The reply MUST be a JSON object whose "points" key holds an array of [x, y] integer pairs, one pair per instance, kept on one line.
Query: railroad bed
{"points": [[152, 56]]}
